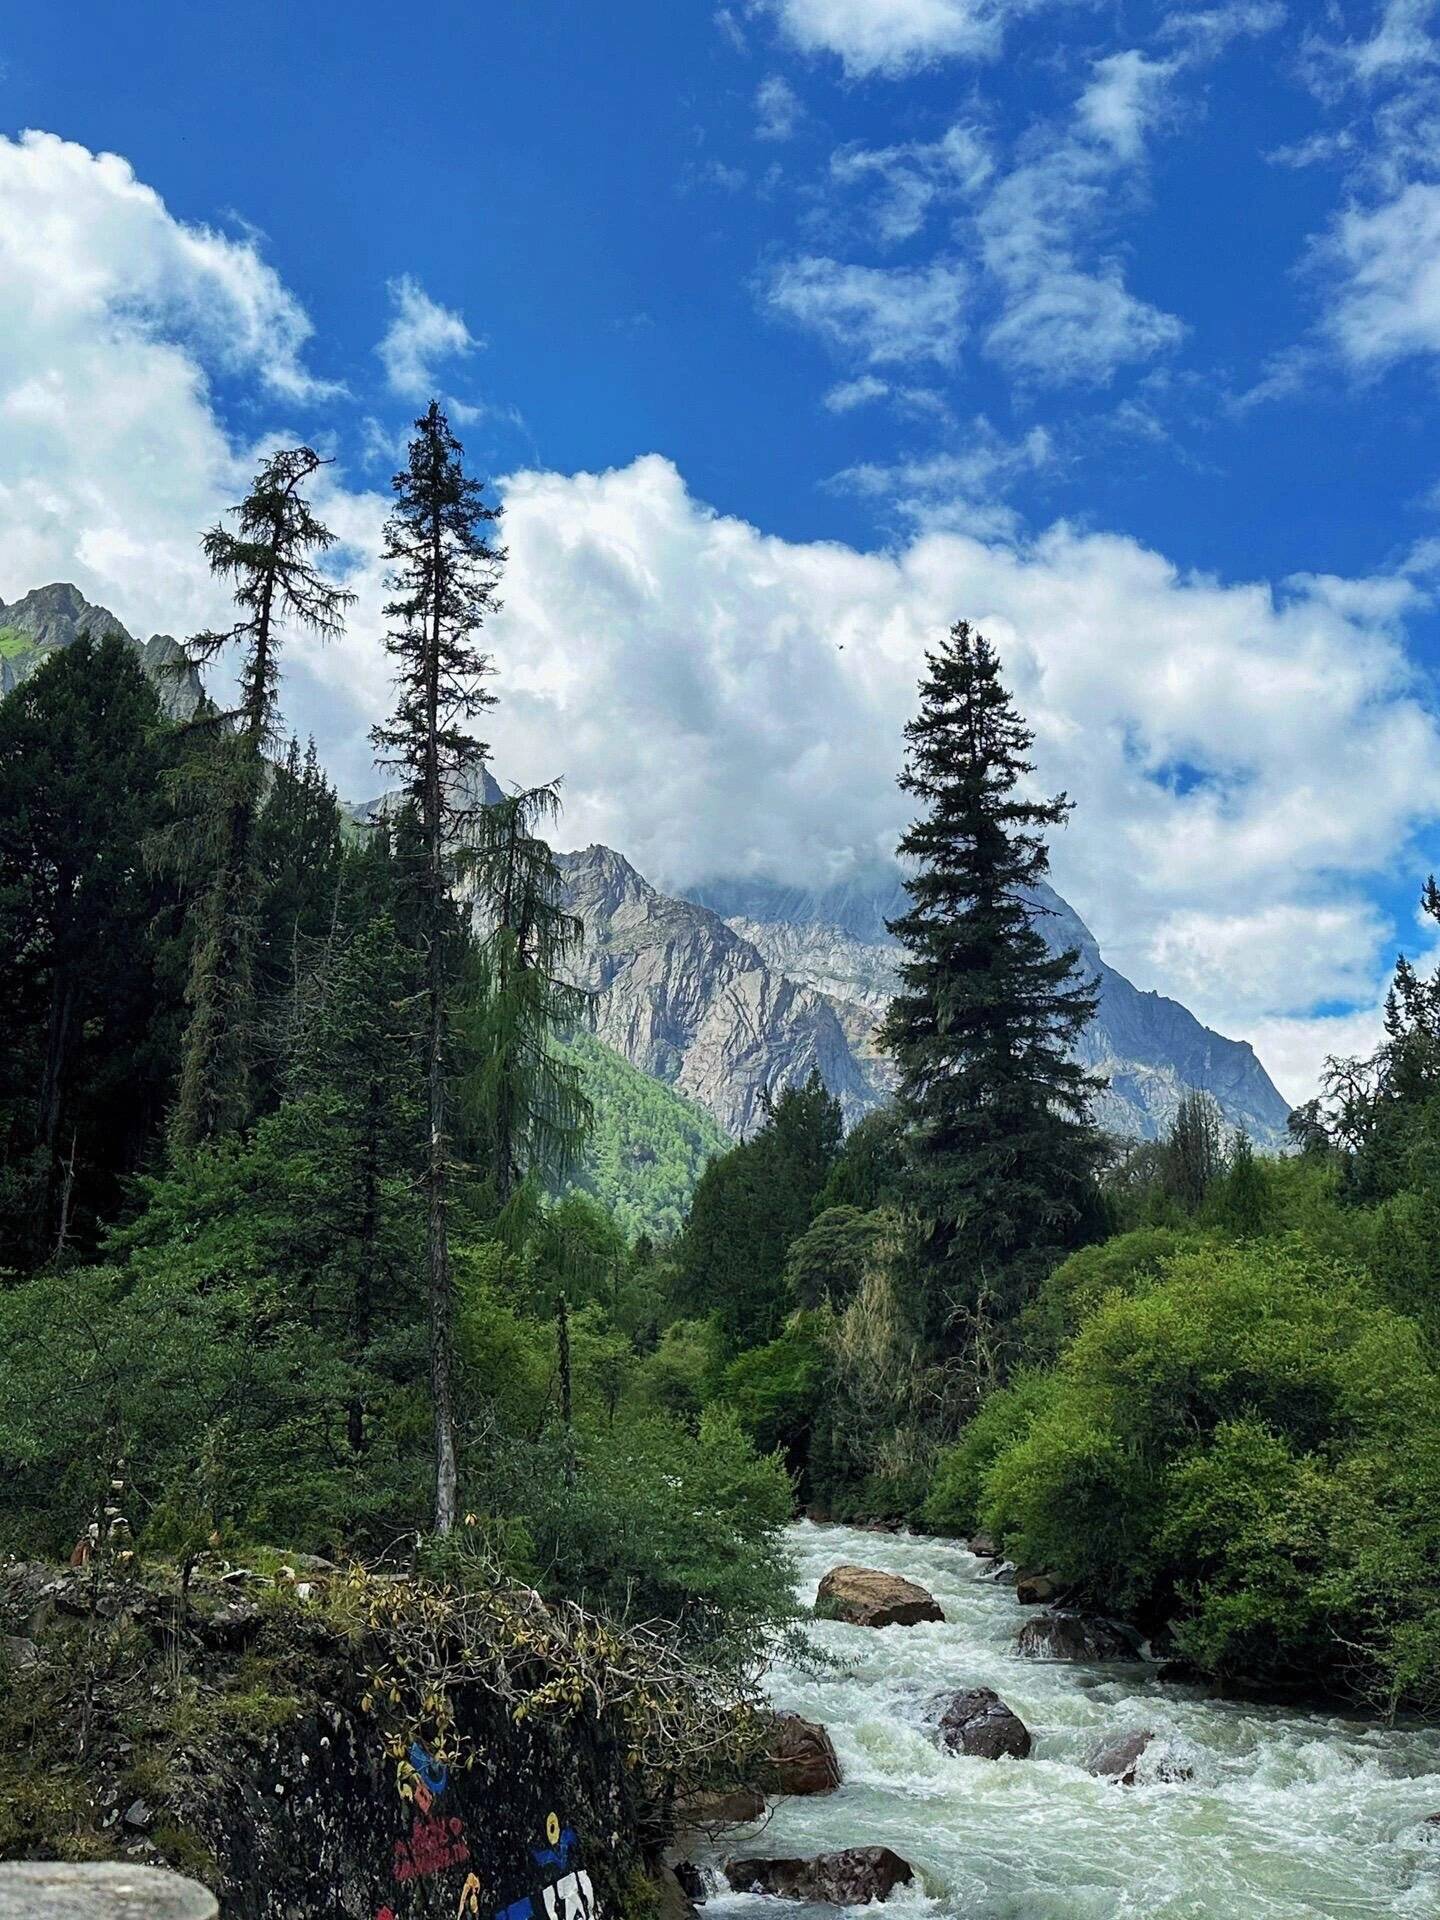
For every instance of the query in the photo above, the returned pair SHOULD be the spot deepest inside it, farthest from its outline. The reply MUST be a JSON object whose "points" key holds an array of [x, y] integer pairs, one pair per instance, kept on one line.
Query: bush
{"points": [[1248, 1444]]}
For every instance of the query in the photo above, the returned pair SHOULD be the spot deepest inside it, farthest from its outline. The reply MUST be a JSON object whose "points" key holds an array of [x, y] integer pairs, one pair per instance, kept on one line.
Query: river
{"points": [[1288, 1813]]}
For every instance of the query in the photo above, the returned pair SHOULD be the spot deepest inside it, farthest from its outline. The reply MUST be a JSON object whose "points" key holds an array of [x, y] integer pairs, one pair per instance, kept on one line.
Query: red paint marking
{"points": [[433, 1846]]}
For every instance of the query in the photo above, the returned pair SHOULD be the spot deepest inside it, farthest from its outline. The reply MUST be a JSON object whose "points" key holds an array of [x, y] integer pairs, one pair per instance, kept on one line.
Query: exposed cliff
{"points": [[686, 998], [54, 617], [1152, 1049]]}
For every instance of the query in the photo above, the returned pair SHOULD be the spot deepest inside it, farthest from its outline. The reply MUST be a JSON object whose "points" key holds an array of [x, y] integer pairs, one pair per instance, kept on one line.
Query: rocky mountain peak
{"points": [[48, 619]]}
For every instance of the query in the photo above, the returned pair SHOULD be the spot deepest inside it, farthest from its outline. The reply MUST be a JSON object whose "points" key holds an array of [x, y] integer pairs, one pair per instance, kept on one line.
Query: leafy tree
{"points": [[268, 559], [85, 1057], [1002, 1152], [444, 575]]}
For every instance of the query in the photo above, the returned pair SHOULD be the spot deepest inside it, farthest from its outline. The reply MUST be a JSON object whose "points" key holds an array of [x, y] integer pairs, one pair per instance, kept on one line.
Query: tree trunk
{"points": [[567, 1408]]}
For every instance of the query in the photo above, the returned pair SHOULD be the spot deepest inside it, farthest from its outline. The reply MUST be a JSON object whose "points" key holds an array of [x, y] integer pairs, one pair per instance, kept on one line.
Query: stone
{"points": [[866, 1597], [851, 1878], [230, 1624], [1035, 1589], [673, 1900], [800, 1757], [70, 1890], [983, 1546], [1119, 1759], [1073, 1636], [17, 1653], [138, 1815], [978, 1722], [712, 1813]]}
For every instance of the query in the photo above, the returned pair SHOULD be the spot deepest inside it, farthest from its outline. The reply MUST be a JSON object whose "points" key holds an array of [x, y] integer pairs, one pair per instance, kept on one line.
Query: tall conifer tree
{"points": [[1001, 1151], [268, 558], [530, 1106], [444, 576]]}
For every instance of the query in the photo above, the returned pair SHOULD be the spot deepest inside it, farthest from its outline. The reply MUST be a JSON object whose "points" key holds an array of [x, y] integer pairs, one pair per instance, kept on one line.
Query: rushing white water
{"points": [[1288, 1813]]}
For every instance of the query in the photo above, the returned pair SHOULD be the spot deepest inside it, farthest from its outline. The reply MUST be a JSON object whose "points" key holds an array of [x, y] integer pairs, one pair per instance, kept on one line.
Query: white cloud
{"points": [[1066, 317], [421, 336], [913, 178], [893, 37], [82, 239], [777, 109], [1388, 304], [1245, 759], [846, 395], [1124, 99], [884, 315], [962, 491]]}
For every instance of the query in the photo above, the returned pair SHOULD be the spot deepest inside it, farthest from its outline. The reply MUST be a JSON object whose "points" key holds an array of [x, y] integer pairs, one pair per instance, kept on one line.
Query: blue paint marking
{"points": [[518, 1910], [436, 1778], [559, 1855]]}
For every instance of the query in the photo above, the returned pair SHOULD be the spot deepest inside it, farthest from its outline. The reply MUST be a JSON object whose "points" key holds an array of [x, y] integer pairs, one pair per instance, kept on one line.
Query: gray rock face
{"points": [[1152, 1049], [685, 998], [54, 617]]}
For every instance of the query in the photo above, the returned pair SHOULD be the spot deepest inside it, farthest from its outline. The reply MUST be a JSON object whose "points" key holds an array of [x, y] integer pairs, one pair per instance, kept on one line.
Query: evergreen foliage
{"points": [[267, 558], [444, 574], [749, 1206], [648, 1145], [525, 1098], [1001, 1151], [89, 943]]}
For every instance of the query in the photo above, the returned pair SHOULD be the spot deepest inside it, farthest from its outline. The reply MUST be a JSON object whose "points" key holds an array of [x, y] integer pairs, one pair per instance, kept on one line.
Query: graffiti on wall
{"points": [[436, 1844]]}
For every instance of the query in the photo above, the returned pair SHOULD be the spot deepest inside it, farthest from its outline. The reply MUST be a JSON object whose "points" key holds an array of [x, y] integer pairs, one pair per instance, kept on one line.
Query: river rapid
{"points": [[1288, 1813]]}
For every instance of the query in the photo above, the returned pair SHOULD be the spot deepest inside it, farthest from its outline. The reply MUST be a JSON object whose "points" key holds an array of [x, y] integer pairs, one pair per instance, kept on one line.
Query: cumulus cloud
{"points": [[82, 239], [1244, 758], [421, 337], [883, 315], [893, 37], [1387, 305]]}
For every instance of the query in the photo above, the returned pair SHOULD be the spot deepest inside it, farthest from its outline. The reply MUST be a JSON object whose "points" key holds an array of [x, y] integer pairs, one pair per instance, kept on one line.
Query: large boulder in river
{"points": [[800, 1757], [979, 1723], [712, 1812], [868, 1598], [1119, 1759], [852, 1878], [1073, 1636], [1035, 1589]]}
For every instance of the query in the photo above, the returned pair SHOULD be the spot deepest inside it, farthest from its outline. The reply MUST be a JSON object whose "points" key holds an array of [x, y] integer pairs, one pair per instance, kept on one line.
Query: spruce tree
{"points": [[1000, 1148], [530, 1110], [268, 558], [444, 575]]}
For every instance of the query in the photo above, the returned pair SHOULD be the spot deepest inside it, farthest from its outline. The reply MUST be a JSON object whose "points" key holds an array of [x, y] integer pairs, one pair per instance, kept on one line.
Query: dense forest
{"points": [[325, 1225]]}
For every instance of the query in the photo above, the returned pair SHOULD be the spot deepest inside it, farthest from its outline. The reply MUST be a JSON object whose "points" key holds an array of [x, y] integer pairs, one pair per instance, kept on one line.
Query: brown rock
{"points": [[868, 1598], [800, 1757], [982, 1545], [851, 1878], [979, 1723], [1035, 1589], [713, 1813], [1072, 1636]]}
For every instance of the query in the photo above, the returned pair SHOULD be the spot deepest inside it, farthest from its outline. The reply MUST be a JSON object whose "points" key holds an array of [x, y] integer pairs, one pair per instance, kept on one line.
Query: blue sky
{"points": [[790, 322]]}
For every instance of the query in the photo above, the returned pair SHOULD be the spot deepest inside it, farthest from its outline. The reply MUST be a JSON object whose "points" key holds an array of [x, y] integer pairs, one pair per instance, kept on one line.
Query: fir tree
{"points": [[268, 559], [531, 1112], [1000, 1147], [444, 575], [86, 1041]]}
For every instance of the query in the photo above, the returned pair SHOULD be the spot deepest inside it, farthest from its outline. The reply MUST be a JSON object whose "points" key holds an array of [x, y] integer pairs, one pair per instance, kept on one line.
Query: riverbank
{"points": [[1287, 1813]]}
